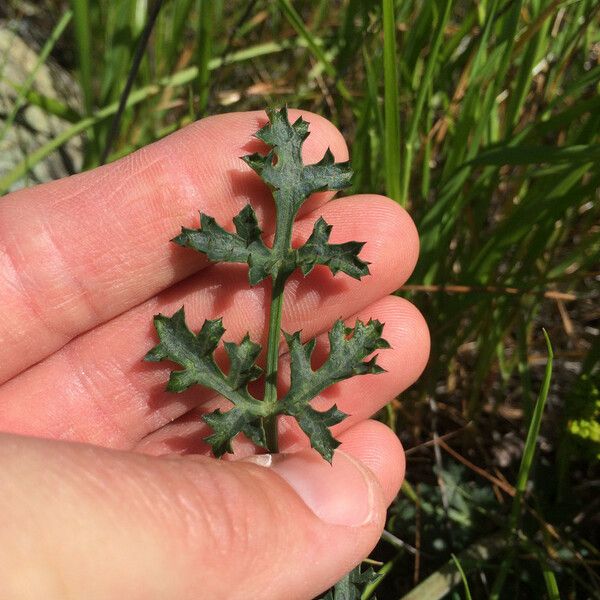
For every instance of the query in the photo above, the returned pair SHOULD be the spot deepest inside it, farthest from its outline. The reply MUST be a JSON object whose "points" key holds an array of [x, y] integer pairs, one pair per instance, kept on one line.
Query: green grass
{"points": [[463, 578], [483, 120], [391, 130], [523, 478]]}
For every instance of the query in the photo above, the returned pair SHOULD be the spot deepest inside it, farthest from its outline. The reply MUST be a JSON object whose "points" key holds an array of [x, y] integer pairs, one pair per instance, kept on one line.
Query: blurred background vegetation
{"points": [[482, 118]]}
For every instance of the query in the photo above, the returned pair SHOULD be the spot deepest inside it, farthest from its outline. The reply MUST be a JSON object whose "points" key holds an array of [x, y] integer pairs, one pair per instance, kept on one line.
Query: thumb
{"points": [[82, 521]]}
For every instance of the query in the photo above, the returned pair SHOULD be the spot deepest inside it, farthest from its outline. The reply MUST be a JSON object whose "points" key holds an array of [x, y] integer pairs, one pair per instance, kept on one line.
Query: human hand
{"points": [[121, 498]]}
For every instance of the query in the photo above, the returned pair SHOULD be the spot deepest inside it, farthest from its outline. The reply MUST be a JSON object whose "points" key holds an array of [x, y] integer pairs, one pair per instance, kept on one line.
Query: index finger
{"points": [[76, 252]]}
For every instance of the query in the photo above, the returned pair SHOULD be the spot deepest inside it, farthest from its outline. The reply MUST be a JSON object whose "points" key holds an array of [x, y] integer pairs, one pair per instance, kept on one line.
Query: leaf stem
{"points": [[281, 246], [270, 423]]}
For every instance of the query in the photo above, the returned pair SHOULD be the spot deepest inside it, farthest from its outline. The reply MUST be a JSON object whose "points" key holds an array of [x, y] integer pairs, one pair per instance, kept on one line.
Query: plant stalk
{"points": [[270, 423], [282, 244]]}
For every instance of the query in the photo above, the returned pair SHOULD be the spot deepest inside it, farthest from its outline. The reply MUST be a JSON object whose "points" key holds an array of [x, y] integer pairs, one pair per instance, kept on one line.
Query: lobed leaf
{"points": [[219, 245], [195, 354], [338, 257], [348, 349], [292, 183], [348, 588], [242, 359], [315, 425], [282, 168], [225, 426]]}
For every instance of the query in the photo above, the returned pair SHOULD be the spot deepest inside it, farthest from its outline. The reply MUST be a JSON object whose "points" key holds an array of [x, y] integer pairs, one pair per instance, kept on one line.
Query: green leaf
{"points": [[347, 588], [292, 183], [316, 425], [244, 246], [195, 354], [348, 349], [192, 352], [338, 257], [282, 168], [242, 357], [226, 425]]}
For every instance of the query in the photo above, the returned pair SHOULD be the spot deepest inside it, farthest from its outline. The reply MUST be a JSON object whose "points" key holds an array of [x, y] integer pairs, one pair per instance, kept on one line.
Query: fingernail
{"points": [[340, 494]]}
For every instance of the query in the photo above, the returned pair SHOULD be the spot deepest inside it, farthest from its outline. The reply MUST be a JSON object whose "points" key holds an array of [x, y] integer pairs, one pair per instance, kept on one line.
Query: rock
{"points": [[33, 127]]}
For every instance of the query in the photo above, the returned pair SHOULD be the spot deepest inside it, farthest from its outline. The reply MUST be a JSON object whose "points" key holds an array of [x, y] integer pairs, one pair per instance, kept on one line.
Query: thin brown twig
{"points": [[440, 128], [490, 289], [505, 487], [536, 25], [446, 436], [564, 317]]}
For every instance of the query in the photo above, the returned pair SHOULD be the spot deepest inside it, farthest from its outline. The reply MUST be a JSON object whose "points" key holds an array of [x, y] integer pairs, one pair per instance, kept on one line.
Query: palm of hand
{"points": [[86, 265]]}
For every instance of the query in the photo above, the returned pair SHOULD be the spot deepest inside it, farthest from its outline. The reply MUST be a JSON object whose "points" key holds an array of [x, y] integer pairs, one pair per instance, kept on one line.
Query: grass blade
{"points": [[533, 432], [203, 54], [445, 579], [424, 87], [371, 587], [296, 22], [550, 581], [391, 106], [524, 469], [50, 105], [83, 41], [531, 155], [463, 577]]}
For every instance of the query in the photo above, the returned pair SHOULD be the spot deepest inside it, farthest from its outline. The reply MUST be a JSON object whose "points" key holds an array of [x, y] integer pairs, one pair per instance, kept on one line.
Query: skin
{"points": [[106, 488]]}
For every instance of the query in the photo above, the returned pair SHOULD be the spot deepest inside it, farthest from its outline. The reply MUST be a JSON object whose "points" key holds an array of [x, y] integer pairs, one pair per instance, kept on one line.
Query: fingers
{"points": [[378, 448], [125, 525], [76, 252], [359, 397], [97, 389]]}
